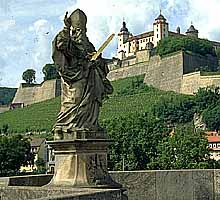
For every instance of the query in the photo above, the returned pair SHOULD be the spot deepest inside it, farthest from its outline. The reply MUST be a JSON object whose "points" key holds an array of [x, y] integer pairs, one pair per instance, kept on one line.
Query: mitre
{"points": [[78, 19]]}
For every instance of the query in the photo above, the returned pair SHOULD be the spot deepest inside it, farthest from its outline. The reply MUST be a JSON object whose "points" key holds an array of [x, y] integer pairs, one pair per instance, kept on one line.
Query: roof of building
{"points": [[36, 142], [191, 29], [123, 28], [160, 17], [213, 138], [140, 36]]}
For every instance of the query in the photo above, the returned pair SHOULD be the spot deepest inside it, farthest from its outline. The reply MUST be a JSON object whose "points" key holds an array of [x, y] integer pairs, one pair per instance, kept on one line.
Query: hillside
{"points": [[7, 95], [130, 96]]}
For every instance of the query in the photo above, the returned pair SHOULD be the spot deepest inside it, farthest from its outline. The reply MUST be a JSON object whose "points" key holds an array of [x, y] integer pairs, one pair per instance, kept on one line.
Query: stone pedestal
{"points": [[81, 163]]}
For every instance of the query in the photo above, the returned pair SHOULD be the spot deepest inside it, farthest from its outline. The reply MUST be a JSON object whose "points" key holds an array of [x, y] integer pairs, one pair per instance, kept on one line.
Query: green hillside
{"points": [[130, 96], [6, 95]]}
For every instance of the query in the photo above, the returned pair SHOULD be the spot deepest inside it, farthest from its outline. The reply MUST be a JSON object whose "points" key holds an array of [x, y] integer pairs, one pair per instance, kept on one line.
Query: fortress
{"points": [[179, 71]]}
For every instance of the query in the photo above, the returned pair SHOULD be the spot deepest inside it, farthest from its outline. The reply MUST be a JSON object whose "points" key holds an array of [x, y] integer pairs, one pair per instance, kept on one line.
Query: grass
{"points": [[130, 96]]}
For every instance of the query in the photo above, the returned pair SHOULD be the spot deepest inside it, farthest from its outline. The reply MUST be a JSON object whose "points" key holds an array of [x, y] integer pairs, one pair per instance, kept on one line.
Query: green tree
{"points": [[135, 140], [185, 149], [175, 110], [50, 72], [207, 98], [211, 117], [29, 76], [15, 151], [173, 44]]}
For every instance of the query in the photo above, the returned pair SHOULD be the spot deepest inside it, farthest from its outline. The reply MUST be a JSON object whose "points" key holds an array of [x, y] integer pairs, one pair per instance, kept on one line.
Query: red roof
{"points": [[213, 138]]}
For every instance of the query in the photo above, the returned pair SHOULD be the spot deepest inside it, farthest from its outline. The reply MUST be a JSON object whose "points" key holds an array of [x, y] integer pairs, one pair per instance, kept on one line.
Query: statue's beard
{"points": [[78, 37]]}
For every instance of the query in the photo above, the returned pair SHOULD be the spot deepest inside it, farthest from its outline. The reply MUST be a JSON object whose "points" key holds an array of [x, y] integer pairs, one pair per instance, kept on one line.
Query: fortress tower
{"points": [[160, 28], [191, 31], [123, 47], [128, 44]]}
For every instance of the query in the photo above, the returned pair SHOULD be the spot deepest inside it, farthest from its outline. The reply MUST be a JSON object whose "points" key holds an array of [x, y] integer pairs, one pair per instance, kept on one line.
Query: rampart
{"points": [[193, 81], [167, 72], [4, 108], [36, 93]]}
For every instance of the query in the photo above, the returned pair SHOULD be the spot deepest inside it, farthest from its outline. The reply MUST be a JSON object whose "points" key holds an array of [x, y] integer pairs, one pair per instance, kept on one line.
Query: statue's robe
{"points": [[84, 83]]}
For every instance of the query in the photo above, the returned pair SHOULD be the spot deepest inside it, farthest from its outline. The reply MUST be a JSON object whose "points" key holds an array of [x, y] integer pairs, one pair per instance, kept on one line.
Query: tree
{"points": [[211, 117], [135, 138], [15, 151], [175, 110], [185, 149], [50, 72], [207, 98], [196, 45], [29, 76]]}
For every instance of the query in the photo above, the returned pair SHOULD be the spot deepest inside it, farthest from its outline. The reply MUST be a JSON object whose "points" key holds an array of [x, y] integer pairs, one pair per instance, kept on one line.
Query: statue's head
{"points": [[78, 20]]}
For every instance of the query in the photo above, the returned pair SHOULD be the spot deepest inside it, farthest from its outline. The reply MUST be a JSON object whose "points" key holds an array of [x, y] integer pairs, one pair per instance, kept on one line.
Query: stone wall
{"points": [[193, 81], [123, 72], [171, 184], [36, 93], [195, 184], [4, 108], [58, 193], [165, 73], [194, 61]]}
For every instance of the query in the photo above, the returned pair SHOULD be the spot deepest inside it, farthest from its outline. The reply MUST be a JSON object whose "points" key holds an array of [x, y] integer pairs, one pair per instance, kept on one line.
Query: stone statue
{"points": [[84, 82]]}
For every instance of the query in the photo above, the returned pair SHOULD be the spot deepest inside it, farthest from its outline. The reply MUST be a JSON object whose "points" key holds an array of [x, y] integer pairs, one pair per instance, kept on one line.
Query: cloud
{"points": [[41, 51], [6, 24]]}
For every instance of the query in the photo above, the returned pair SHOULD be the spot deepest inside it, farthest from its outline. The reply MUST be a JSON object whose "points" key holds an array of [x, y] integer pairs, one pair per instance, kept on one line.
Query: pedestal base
{"points": [[81, 163]]}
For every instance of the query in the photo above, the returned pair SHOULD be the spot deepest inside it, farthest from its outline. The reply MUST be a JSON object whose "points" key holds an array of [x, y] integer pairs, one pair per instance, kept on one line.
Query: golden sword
{"points": [[102, 47]]}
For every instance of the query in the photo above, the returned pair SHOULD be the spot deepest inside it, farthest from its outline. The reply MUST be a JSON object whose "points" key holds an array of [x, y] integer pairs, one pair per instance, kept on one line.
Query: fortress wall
{"points": [[194, 61], [193, 81], [4, 108], [133, 70], [29, 95], [142, 56], [165, 73]]}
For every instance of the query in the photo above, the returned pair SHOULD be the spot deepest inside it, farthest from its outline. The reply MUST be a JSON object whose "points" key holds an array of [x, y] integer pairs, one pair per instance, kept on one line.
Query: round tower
{"points": [[123, 36], [161, 28], [191, 31]]}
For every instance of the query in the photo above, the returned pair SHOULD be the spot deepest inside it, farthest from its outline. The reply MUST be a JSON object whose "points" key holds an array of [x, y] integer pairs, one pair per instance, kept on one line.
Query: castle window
{"points": [[143, 40], [120, 45], [157, 35], [157, 29], [157, 25], [152, 39]]}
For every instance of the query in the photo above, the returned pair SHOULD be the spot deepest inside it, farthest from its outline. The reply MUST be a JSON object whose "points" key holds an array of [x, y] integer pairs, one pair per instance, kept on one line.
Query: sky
{"points": [[27, 27]]}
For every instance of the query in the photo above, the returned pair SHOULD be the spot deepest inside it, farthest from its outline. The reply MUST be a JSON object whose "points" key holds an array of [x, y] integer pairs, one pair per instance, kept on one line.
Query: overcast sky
{"points": [[27, 27]]}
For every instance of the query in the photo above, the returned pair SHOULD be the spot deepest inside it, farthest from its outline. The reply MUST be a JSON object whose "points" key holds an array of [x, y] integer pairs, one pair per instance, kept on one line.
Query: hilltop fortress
{"points": [[177, 72]]}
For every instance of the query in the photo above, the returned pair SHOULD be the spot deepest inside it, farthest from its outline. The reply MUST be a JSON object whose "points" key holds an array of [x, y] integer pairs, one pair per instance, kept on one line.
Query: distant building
{"points": [[128, 44], [214, 144], [38, 147]]}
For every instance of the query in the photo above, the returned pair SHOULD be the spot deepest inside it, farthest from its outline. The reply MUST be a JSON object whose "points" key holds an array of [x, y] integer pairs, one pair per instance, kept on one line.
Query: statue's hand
{"points": [[67, 20], [90, 55]]}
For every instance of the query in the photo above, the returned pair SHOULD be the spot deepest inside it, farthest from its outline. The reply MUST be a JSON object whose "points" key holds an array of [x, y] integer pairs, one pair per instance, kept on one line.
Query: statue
{"points": [[83, 80]]}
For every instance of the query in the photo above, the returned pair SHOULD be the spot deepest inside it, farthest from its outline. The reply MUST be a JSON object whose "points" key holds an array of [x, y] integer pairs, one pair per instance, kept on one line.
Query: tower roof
{"points": [[160, 17], [124, 28], [192, 29]]}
